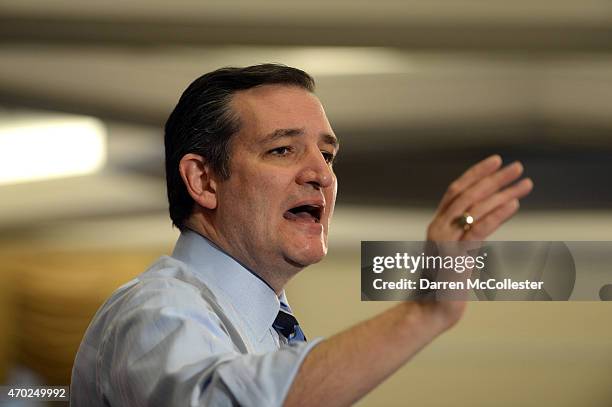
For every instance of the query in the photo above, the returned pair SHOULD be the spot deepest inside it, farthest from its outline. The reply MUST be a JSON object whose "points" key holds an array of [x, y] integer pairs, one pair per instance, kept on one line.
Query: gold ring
{"points": [[466, 221]]}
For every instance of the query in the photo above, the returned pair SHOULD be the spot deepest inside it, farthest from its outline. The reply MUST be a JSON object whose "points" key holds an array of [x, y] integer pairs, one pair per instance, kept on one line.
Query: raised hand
{"points": [[485, 193]]}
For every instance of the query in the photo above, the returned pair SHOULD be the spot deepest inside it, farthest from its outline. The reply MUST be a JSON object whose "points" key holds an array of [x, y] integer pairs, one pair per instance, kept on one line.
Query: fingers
{"points": [[487, 193], [474, 174], [482, 190], [516, 191], [492, 221]]}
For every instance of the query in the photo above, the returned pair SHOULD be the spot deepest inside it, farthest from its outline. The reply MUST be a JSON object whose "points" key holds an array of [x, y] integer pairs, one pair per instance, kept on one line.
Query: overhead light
{"points": [[45, 147], [317, 61], [321, 61]]}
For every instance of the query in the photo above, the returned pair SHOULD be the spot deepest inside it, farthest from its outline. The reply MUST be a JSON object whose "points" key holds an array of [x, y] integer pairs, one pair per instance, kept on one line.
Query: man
{"points": [[251, 186]]}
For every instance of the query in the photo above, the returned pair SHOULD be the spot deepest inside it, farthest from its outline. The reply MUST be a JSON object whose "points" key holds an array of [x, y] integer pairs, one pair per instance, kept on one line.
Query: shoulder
{"points": [[165, 296], [167, 281], [167, 284], [161, 317]]}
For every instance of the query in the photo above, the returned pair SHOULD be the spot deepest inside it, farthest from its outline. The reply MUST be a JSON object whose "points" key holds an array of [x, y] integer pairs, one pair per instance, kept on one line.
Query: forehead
{"points": [[266, 108]]}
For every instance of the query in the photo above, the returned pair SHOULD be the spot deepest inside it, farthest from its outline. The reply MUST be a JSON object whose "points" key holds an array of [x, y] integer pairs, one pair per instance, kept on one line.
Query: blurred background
{"points": [[415, 90]]}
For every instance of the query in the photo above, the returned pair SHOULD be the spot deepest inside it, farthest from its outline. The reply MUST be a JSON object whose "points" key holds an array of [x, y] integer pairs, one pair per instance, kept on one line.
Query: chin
{"points": [[305, 256]]}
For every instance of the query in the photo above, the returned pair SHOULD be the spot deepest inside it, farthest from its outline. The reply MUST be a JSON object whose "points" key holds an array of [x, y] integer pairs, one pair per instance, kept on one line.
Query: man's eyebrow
{"points": [[331, 139], [280, 133]]}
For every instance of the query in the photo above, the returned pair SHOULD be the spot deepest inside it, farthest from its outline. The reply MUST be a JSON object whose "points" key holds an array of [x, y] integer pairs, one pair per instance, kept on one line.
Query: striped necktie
{"points": [[287, 326]]}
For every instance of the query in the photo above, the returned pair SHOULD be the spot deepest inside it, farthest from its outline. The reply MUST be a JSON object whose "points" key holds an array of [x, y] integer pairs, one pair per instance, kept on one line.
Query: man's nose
{"points": [[316, 171]]}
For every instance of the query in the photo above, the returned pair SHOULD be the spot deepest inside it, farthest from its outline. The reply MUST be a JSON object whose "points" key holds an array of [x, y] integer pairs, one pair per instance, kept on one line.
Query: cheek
{"points": [[262, 197]]}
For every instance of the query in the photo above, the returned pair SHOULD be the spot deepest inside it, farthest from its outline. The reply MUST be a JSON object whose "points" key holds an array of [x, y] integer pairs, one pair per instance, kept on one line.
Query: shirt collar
{"points": [[255, 302]]}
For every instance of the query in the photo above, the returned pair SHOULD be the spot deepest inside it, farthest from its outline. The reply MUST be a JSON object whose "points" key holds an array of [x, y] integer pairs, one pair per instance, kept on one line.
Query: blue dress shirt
{"points": [[195, 329]]}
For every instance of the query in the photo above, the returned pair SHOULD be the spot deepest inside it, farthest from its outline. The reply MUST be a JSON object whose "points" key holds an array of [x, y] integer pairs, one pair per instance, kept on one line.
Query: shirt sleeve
{"points": [[166, 347]]}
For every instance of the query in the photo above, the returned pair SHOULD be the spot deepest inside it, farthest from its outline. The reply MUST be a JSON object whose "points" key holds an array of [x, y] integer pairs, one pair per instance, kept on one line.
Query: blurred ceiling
{"points": [[416, 90], [544, 25]]}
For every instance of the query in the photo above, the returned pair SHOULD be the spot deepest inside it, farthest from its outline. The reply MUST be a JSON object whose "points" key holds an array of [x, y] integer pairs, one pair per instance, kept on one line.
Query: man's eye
{"points": [[280, 151], [329, 157]]}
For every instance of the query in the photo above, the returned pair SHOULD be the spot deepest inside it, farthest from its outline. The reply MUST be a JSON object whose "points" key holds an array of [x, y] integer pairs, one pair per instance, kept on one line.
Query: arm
{"points": [[342, 369]]}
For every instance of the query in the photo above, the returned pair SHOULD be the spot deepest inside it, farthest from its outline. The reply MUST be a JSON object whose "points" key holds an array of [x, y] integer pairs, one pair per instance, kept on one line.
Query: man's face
{"points": [[274, 210]]}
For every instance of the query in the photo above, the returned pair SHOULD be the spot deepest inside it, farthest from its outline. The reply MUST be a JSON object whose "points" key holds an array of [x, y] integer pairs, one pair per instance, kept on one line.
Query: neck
{"points": [[274, 276]]}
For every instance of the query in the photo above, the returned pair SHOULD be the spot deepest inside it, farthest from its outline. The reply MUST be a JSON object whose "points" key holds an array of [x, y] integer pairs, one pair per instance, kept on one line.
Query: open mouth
{"points": [[305, 213]]}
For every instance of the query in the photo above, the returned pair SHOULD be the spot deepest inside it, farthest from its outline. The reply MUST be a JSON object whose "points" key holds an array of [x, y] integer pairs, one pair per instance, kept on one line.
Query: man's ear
{"points": [[199, 180]]}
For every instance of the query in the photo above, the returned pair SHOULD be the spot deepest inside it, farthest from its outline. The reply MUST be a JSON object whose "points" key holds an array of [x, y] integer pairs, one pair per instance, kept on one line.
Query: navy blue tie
{"points": [[287, 326]]}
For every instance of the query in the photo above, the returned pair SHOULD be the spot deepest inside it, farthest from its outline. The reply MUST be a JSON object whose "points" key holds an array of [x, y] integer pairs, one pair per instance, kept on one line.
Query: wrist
{"points": [[431, 318]]}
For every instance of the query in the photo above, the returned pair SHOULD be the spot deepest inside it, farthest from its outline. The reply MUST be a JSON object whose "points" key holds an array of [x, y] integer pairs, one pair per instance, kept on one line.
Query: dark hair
{"points": [[203, 123]]}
